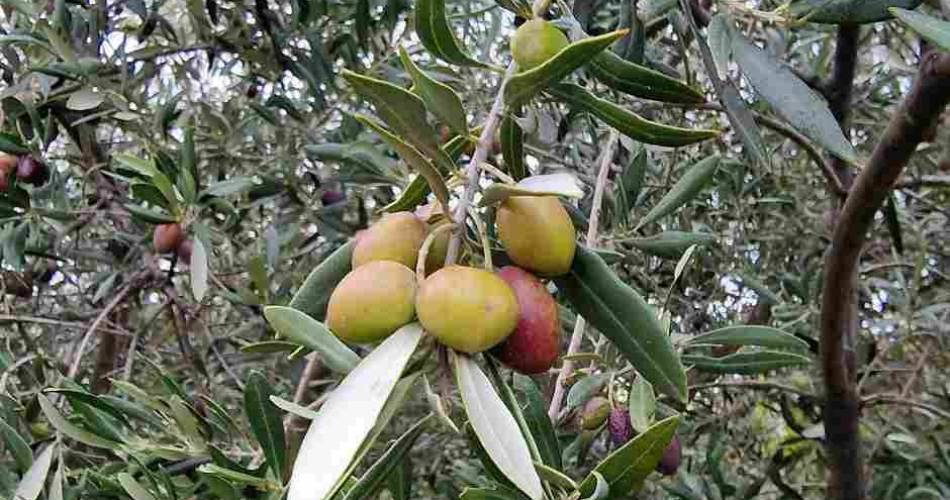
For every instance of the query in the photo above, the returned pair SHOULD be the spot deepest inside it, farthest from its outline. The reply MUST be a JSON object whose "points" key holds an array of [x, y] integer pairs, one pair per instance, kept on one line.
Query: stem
{"points": [[917, 114], [578, 334]]}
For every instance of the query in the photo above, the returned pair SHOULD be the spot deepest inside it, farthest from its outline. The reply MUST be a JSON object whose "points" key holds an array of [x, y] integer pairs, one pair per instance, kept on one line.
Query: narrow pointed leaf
{"points": [[685, 189], [404, 112], [375, 477], [625, 318], [133, 488], [562, 184], [585, 389], [17, 446], [757, 335], [512, 148], [536, 416], [555, 477], [439, 98], [525, 85], [300, 328], [627, 467], [199, 270], [496, 428], [314, 293], [746, 363], [266, 422], [415, 193], [671, 244], [436, 34], [349, 415], [291, 407], [847, 11], [639, 81], [641, 404], [59, 422], [791, 98], [627, 122], [933, 29], [31, 485], [414, 158]]}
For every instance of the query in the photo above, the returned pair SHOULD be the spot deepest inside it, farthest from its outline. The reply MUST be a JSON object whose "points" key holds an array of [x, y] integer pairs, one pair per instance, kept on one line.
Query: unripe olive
{"points": [[435, 259], [31, 171], [594, 413], [535, 344], [670, 461], [396, 237], [167, 237], [537, 234], [536, 41], [618, 423], [467, 309], [372, 302]]}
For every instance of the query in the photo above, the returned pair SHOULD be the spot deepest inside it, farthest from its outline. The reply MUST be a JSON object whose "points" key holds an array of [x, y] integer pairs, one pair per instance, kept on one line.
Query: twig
{"points": [[927, 99], [838, 92], [752, 384], [887, 399], [581, 324], [78, 354], [52, 322]]}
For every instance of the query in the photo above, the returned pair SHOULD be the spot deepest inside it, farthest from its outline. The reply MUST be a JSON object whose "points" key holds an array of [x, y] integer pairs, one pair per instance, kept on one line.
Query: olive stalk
{"points": [[581, 324], [424, 250], [482, 147]]}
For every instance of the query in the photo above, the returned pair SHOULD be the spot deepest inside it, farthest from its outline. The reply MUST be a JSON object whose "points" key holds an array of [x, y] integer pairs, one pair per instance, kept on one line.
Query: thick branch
{"points": [[917, 113], [839, 89]]}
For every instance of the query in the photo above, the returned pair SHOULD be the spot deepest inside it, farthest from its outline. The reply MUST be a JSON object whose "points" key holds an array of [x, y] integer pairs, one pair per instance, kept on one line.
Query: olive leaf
{"points": [[625, 76], [625, 469], [933, 29], [133, 488], [685, 189], [496, 428], [561, 184], [415, 193], [670, 244], [314, 294], [265, 421], [404, 112], [376, 475], [627, 122], [16, 445], [641, 404], [300, 328], [847, 11], [71, 430], [536, 416], [625, 318], [413, 157], [512, 147], [348, 416], [368, 164], [436, 35], [525, 85], [755, 335], [746, 363], [439, 98], [31, 485]]}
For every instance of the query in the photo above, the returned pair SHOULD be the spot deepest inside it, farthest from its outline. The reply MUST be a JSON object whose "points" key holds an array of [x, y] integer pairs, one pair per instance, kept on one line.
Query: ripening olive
{"points": [[396, 237], [537, 234], [535, 344], [594, 413], [372, 302], [167, 237]]}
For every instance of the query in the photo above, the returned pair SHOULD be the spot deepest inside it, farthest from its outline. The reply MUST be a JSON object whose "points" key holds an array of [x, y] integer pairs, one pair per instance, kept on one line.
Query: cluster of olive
{"points": [[466, 308], [25, 168]]}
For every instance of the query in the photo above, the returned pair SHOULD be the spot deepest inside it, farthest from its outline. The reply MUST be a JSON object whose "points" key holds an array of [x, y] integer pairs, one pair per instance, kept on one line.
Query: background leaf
{"points": [[266, 423], [304, 330]]}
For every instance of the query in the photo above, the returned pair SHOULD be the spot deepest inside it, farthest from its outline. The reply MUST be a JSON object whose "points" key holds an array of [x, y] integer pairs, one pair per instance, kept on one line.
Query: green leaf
{"points": [[555, 477], [755, 335], [536, 416], [265, 422], [199, 269], [348, 416], [685, 189], [298, 327], [791, 98], [84, 100], [746, 363], [376, 475], [671, 244], [413, 157], [17, 446], [496, 428], [847, 11], [586, 388], [230, 187], [291, 407], [641, 404], [931, 28], [601, 488], [11, 144], [150, 194], [366, 162], [436, 35], [439, 98], [405, 113], [625, 469], [625, 76], [59, 422], [498, 493], [133, 488], [149, 215], [399, 482], [233, 476], [269, 347], [414, 195], [625, 318], [626, 122], [631, 180], [31, 485], [526, 84], [512, 147], [561, 184], [314, 293]]}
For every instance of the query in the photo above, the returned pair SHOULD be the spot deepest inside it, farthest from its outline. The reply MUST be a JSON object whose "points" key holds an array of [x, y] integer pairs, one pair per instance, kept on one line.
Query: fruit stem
{"points": [[581, 324], [486, 244], [424, 250]]}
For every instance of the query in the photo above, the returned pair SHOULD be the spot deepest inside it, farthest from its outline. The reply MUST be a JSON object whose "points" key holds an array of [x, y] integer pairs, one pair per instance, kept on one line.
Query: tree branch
{"points": [[921, 108], [839, 89]]}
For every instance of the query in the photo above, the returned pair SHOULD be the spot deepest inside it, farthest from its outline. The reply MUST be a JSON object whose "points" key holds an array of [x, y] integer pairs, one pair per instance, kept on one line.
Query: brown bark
{"points": [[922, 107], [839, 89]]}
